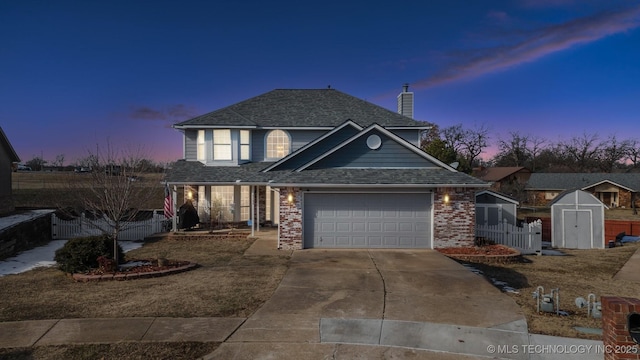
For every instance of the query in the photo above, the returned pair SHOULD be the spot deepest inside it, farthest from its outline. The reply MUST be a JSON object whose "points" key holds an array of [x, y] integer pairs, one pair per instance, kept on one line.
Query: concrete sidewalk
{"points": [[630, 271], [105, 331]]}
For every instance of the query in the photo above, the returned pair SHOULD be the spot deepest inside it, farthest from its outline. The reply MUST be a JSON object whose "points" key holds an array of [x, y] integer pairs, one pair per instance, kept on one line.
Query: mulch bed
{"points": [[146, 269], [483, 254]]}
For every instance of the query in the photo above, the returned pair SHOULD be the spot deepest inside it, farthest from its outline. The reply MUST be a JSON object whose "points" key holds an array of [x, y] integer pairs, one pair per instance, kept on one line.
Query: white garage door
{"points": [[380, 220]]}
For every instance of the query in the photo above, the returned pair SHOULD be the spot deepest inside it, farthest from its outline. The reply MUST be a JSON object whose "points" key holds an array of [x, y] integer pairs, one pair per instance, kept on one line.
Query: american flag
{"points": [[168, 202]]}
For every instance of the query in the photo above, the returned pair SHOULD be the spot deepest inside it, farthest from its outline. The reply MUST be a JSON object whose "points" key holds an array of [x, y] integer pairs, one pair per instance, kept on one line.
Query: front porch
{"points": [[230, 206]]}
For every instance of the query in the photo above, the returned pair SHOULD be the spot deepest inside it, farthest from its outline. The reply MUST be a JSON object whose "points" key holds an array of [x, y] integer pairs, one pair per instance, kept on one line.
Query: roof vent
{"points": [[405, 102]]}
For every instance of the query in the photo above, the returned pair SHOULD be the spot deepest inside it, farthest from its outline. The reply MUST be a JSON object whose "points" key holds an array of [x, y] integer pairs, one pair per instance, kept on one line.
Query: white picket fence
{"points": [[82, 226], [527, 239]]}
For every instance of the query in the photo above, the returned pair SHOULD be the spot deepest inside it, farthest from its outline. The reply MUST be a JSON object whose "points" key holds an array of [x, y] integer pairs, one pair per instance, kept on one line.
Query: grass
{"points": [[226, 284], [578, 274], [37, 189]]}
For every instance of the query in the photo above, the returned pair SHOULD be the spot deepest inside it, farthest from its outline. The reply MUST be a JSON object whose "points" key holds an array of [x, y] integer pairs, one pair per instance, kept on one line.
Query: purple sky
{"points": [[74, 74]]}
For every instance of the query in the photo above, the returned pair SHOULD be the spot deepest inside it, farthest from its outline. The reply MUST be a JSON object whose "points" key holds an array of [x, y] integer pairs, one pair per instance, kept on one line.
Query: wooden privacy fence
{"points": [[611, 228], [83, 226], [527, 238]]}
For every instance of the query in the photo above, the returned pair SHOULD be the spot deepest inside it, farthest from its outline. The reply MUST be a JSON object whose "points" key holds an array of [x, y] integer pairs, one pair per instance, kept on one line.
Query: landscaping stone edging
{"points": [[487, 259], [133, 275]]}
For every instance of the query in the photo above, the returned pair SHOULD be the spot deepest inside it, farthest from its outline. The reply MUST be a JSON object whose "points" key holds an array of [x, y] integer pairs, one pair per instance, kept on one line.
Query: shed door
{"points": [[577, 231], [378, 220]]}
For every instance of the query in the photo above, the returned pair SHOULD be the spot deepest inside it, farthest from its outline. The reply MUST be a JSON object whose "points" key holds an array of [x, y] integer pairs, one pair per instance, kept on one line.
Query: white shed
{"points": [[493, 208], [577, 221]]}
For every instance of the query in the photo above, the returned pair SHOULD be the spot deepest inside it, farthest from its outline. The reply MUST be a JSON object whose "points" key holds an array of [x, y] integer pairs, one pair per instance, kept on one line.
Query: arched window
{"points": [[278, 144]]}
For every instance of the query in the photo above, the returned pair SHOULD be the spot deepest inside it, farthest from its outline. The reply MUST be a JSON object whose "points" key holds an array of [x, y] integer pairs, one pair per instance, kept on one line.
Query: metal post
{"points": [[175, 209]]}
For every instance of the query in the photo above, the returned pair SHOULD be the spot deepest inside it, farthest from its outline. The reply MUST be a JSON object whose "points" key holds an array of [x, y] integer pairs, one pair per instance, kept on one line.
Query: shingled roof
{"points": [[194, 172], [564, 181], [325, 108]]}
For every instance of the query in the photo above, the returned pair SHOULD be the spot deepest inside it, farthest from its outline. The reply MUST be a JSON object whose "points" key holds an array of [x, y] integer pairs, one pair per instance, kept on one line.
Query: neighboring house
{"points": [[8, 156], [503, 178], [329, 169], [612, 189]]}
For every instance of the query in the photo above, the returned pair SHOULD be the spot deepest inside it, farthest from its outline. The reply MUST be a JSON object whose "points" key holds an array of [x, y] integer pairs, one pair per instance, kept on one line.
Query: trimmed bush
{"points": [[81, 254]]}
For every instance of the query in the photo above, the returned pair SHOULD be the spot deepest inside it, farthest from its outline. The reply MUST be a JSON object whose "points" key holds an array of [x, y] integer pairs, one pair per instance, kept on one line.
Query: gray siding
{"points": [[299, 138], [358, 155], [412, 136], [318, 149]]}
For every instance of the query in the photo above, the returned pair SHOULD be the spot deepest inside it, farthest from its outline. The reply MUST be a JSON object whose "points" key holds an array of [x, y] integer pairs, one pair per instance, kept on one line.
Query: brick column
{"points": [[455, 221], [290, 219], [615, 330]]}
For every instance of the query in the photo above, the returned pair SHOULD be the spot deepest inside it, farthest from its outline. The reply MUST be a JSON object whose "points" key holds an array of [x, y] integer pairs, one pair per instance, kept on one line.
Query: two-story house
{"points": [[327, 168]]}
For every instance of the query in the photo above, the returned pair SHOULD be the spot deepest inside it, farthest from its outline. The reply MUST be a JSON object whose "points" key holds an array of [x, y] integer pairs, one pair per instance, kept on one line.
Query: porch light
{"points": [[290, 198], [190, 195], [446, 198]]}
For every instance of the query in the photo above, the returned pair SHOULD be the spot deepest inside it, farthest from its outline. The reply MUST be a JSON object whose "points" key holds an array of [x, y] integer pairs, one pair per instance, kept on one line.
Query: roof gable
{"points": [[297, 108], [489, 193], [374, 147], [317, 147], [8, 149]]}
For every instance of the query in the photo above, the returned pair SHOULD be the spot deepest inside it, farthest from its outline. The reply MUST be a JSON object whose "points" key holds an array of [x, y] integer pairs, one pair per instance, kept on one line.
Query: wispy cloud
{"points": [[535, 45], [173, 113], [146, 113]]}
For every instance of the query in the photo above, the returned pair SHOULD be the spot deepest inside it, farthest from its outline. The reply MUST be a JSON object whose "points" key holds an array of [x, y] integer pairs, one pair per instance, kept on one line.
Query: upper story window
{"points": [[278, 144], [245, 145], [201, 154], [222, 144]]}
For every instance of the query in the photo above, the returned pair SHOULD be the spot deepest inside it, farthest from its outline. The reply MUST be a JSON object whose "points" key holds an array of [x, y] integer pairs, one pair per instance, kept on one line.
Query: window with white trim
{"points": [[222, 144], [201, 154], [277, 145], [245, 145], [222, 202]]}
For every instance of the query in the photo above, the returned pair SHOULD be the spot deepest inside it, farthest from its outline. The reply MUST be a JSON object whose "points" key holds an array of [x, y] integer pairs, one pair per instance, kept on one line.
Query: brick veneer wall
{"points": [[454, 223], [290, 220], [615, 330]]}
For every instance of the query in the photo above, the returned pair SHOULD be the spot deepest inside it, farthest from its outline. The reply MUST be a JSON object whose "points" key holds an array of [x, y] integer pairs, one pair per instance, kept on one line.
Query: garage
{"points": [[367, 220]]}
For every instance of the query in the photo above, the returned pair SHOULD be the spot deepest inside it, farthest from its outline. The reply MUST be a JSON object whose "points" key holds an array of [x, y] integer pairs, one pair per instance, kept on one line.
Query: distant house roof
{"points": [[282, 108], [4, 142], [567, 181], [498, 173]]}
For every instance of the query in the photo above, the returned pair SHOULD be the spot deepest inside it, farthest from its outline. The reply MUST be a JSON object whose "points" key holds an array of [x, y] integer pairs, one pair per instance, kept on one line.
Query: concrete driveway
{"points": [[373, 297]]}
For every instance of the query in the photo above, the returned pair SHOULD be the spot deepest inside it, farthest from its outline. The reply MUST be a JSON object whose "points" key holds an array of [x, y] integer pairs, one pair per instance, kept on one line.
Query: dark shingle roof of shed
{"points": [[194, 172], [564, 181], [301, 108]]}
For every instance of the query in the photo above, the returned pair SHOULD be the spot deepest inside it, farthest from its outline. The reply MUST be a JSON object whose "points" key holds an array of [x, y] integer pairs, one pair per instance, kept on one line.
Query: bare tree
{"points": [[612, 153], [59, 161], [582, 151], [474, 141], [513, 151], [633, 153], [113, 192]]}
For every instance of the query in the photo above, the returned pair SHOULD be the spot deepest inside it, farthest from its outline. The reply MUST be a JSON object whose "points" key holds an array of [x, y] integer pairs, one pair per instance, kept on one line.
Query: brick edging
{"points": [[134, 275]]}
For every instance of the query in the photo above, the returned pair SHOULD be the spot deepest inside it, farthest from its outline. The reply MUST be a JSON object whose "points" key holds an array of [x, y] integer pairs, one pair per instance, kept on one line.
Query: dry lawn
{"points": [[36, 189], [579, 273], [226, 284], [130, 351]]}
